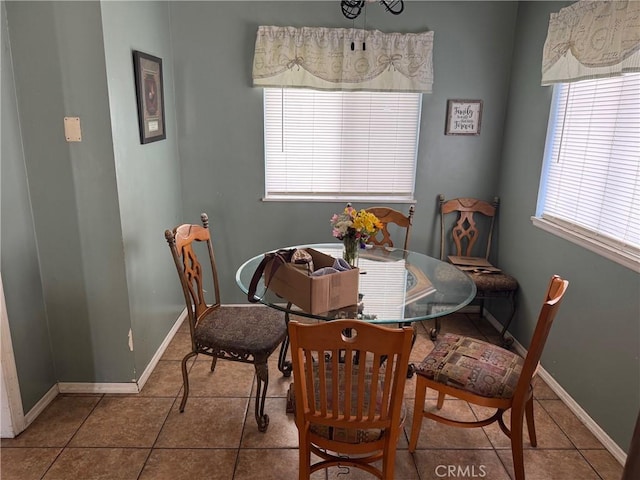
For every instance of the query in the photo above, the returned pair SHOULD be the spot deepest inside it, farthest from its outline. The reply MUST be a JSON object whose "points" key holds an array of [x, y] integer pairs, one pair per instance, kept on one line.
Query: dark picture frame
{"points": [[464, 117], [150, 95]]}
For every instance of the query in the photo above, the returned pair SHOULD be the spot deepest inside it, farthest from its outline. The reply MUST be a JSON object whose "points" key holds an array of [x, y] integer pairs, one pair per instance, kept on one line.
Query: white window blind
{"points": [[591, 178], [340, 145]]}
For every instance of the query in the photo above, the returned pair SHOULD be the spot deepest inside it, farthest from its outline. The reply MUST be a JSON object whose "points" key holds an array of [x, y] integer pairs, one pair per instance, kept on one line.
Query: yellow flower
{"points": [[366, 222], [351, 222]]}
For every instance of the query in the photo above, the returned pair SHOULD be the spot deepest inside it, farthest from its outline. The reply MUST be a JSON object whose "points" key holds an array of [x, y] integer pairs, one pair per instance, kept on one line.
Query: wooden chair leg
{"points": [[185, 380], [262, 378], [441, 396], [418, 408], [531, 426], [517, 447], [389, 461], [304, 457]]}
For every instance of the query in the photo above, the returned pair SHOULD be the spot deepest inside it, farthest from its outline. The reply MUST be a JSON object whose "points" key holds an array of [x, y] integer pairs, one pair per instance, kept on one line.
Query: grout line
{"points": [[575, 447], [66, 445], [164, 422], [85, 419], [244, 427]]}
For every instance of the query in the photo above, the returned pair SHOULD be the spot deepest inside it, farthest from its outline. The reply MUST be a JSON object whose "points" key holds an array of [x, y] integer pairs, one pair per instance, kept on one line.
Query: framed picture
{"points": [[463, 117], [150, 94]]}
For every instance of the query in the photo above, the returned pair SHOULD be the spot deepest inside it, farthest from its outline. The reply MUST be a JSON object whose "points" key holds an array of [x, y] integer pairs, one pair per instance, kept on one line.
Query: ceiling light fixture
{"points": [[352, 8]]}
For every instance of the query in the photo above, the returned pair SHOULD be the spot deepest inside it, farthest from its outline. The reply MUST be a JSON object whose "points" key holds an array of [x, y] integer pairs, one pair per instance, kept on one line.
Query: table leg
{"points": [[507, 342], [411, 368], [284, 365]]}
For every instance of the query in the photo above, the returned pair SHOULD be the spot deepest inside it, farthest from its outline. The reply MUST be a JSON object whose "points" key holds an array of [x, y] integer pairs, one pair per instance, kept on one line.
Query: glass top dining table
{"points": [[395, 286]]}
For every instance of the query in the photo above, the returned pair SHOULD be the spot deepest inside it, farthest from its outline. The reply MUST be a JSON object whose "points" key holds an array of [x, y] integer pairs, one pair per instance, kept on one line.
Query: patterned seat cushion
{"points": [[350, 435], [494, 282], [254, 330], [472, 365]]}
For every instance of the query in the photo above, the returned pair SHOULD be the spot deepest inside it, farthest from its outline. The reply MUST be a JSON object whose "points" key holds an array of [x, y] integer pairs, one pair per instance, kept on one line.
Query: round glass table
{"points": [[395, 286]]}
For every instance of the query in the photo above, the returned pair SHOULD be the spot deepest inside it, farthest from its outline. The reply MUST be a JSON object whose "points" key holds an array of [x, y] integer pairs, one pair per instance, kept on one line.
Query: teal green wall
{"points": [[220, 132], [21, 278], [148, 176], [594, 347], [100, 207], [60, 71]]}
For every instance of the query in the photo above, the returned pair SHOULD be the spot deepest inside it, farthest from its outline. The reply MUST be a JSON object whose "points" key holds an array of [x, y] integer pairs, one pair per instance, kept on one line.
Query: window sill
{"points": [[623, 258], [337, 198]]}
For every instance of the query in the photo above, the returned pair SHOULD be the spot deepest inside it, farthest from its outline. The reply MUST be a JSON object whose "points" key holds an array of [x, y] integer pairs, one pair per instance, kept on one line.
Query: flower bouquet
{"points": [[354, 228]]}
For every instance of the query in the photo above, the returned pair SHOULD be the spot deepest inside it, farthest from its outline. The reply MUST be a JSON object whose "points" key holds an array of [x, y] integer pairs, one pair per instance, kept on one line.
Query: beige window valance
{"points": [[592, 39], [323, 59]]}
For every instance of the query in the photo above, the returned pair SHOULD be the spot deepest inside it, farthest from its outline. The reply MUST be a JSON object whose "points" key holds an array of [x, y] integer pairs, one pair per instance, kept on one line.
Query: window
{"points": [[590, 184], [352, 146]]}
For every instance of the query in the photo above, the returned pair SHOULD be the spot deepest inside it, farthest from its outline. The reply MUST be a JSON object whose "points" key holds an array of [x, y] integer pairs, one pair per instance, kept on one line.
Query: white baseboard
{"points": [[41, 405], [98, 388], [133, 387], [584, 417], [577, 410], [88, 387], [163, 346]]}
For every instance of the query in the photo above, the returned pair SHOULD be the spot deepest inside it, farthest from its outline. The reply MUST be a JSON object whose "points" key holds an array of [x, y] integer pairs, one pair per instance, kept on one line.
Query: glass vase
{"points": [[350, 252]]}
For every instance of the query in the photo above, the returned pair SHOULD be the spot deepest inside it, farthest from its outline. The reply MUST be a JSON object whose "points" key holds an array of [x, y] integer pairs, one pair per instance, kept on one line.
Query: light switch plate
{"points": [[72, 130]]}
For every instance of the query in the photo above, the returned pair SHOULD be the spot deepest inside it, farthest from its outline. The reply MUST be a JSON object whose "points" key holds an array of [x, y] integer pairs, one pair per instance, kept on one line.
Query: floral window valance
{"points": [[592, 39], [343, 59]]}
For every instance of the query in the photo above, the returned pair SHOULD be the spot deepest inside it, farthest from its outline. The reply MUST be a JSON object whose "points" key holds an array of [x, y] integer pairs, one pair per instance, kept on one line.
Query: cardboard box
{"points": [[315, 295]]}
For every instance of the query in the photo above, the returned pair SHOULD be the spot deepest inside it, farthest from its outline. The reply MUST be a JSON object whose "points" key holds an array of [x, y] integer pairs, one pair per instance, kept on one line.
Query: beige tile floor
{"points": [[122, 437]]}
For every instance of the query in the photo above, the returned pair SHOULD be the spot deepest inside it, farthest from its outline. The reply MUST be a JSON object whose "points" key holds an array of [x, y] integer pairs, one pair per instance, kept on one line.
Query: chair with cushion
{"points": [[241, 334], [471, 223], [391, 218], [487, 375], [349, 379]]}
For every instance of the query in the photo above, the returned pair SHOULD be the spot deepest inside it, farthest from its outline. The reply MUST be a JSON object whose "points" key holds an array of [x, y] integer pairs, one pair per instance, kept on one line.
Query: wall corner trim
{"points": [[37, 409]]}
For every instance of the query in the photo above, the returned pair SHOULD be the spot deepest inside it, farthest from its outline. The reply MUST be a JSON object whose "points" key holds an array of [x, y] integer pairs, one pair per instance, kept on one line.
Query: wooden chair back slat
{"points": [[349, 374], [466, 231], [389, 216]]}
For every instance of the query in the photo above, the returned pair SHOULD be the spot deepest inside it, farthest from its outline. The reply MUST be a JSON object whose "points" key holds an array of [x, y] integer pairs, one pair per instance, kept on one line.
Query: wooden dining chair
{"points": [[349, 379], [487, 375], [469, 247], [390, 219], [240, 334]]}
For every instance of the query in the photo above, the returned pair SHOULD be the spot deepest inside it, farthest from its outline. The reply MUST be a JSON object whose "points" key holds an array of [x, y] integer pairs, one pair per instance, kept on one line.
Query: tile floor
{"points": [[144, 437]]}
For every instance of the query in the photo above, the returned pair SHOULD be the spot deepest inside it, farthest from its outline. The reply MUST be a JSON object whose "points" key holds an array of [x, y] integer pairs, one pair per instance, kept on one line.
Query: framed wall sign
{"points": [[150, 94], [463, 117]]}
